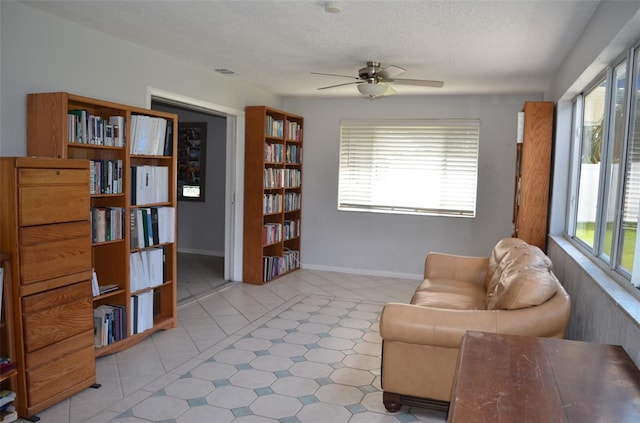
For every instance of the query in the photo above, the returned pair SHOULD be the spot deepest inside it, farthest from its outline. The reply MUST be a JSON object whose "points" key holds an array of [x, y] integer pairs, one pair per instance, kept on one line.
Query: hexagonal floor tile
{"points": [[213, 371], [321, 355], [275, 406], [346, 333], [253, 344], [294, 386], [339, 394], [363, 362], [207, 414], [231, 397], [160, 407], [271, 363], [311, 370], [288, 350], [234, 356], [188, 388], [252, 378], [323, 413], [352, 377], [339, 344], [268, 333]]}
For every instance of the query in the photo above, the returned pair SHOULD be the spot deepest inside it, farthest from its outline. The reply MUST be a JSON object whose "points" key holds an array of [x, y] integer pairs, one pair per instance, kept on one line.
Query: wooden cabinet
{"points": [[272, 193], [46, 232], [132, 153], [533, 174]]}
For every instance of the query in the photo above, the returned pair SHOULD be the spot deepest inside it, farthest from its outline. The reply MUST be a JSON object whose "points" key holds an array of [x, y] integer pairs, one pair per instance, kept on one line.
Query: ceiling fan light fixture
{"points": [[333, 7], [374, 89]]}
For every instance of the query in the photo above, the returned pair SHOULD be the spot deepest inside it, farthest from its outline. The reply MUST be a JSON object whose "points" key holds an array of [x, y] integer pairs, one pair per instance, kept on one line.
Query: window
{"points": [[606, 186], [409, 166]]}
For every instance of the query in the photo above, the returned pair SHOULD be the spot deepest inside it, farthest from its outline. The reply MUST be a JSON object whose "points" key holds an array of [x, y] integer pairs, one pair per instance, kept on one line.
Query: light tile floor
{"points": [[304, 348]]}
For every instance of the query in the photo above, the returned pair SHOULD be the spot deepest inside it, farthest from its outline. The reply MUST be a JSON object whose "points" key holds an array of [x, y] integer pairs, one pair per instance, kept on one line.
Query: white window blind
{"points": [[409, 166]]}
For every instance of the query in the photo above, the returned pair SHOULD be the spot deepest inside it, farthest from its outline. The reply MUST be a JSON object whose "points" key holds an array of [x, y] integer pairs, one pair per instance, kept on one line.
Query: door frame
{"points": [[234, 178]]}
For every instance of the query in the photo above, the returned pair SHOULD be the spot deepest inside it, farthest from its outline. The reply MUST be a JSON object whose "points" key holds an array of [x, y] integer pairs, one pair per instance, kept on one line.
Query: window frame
{"points": [[612, 265], [427, 128]]}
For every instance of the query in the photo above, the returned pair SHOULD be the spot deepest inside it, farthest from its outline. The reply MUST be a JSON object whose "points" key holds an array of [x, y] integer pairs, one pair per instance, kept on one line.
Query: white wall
{"points": [[41, 52], [397, 244]]}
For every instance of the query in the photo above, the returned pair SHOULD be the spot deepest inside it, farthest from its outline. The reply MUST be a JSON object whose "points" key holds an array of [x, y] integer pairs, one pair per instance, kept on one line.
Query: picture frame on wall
{"points": [[192, 142]]}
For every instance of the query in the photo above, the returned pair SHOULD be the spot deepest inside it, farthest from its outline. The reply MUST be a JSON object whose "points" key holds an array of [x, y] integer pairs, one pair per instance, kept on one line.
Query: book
{"points": [[80, 122], [103, 289], [9, 415], [168, 140], [6, 397], [95, 289], [6, 368]]}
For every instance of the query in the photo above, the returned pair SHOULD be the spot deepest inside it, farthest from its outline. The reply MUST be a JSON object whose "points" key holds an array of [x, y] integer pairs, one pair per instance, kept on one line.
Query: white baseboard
{"points": [[201, 252], [366, 272]]}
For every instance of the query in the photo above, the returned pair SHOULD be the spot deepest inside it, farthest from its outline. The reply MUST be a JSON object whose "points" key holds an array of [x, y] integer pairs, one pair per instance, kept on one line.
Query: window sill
{"points": [[627, 301]]}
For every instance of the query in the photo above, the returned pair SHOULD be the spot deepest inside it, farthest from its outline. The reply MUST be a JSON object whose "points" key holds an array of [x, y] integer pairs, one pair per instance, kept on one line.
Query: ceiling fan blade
{"points": [[333, 74], [418, 82], [390, 71], [340, 85]]}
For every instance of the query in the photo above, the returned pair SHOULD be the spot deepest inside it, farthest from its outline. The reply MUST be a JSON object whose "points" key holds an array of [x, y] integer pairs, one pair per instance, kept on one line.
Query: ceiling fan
{"points": [[373, 80]]}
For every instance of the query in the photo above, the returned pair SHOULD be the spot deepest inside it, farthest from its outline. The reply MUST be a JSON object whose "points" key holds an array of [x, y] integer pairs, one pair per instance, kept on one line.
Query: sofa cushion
{"points": [[523, 278], [448, 300], [450, 294], [497, 254]]}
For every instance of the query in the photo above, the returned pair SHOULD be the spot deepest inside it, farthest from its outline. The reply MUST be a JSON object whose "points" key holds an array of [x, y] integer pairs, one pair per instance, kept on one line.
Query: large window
{"points": [[606, 190], [409, 166]]}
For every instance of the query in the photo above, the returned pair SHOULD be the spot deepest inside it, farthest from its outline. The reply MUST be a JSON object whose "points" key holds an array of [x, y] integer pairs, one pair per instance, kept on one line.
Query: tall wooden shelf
{"points": [[272, 193], [46, 231], [533, 174], [48, 135]]}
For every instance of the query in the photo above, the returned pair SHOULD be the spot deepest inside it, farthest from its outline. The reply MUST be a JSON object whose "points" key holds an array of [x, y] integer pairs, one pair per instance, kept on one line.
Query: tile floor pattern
{"points": [[198, 275], [304, 348]]}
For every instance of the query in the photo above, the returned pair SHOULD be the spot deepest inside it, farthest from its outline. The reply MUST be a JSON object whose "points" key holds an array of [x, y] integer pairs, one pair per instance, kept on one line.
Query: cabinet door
{"points": [[51, 251], [60, 367], [40, 205], [57, 314]]}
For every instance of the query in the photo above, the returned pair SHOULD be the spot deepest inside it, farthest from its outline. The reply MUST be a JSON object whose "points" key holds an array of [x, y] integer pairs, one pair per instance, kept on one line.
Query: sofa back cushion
{"points": [[521, 277], [497, 254]]}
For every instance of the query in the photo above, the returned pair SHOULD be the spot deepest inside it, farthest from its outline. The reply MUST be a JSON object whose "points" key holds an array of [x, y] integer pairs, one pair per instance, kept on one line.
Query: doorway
{"points": [[210, 231]]}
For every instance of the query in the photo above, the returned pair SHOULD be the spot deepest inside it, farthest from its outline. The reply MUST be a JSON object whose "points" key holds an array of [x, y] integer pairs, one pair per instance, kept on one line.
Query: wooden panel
{"points": [[63, 372], [536, 173], [40, 205], [47, 125], [52, 176], [54, 250], [507, 378], [45, 355], [57, 314]]}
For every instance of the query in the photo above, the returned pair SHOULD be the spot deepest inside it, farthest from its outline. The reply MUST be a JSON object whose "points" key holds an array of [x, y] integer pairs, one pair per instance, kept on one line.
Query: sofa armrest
{"points": [[414, 324], [449, 266]]}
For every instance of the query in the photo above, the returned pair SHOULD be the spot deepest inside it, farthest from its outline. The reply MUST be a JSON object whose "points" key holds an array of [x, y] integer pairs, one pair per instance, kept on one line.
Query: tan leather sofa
{"points": [[513, 292]]}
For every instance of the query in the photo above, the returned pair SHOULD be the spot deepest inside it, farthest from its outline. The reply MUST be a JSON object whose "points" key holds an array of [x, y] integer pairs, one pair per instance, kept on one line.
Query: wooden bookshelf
{"points": [[533, 174], [50, 134], [272, 193]]}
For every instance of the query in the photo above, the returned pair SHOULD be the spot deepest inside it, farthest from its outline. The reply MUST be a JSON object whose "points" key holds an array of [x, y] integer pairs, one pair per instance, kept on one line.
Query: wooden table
{"points": [[506, 378]]}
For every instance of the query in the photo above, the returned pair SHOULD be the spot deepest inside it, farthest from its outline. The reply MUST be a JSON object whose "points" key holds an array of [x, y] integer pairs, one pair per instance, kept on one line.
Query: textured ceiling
{"points": [[476, 47]]}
